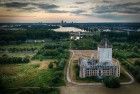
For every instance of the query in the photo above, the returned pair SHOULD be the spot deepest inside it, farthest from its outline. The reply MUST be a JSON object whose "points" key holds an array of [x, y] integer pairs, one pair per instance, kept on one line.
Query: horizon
{"points": [[77, 11], [68, 22]]}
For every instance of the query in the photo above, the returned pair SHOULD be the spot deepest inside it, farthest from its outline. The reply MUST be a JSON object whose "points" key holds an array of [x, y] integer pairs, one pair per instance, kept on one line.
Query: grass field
{"points": [[32, 74], [19, 54], [24, 45]]}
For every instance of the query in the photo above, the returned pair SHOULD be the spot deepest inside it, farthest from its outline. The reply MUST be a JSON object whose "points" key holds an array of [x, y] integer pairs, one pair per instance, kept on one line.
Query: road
{"points": [[130, 76], [69, 80]]}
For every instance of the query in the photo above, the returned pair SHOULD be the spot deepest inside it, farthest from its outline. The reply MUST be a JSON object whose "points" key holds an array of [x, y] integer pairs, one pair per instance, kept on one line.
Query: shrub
{"points": [[50, 65], [137, 62], [11, 60], [138, 77], [111, 82]]}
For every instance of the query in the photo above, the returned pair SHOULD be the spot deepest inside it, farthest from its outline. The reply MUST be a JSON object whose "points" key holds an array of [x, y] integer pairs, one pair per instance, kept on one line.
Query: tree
{"points": [[50, 65], [137, 62], [56, 78], [135, 49], [111, 82], [138, 77], [61, 64]]}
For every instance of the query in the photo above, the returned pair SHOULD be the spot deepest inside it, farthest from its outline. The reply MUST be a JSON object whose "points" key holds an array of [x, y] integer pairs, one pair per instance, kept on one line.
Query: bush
{"points": [[61, 64], [57, 78], [111, 82], [50, 65], [137, 63], [11, 60]]}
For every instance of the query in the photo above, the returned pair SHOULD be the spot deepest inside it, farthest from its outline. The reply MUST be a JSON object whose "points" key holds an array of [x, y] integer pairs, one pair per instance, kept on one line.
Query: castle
{"points": [[104, 65]]}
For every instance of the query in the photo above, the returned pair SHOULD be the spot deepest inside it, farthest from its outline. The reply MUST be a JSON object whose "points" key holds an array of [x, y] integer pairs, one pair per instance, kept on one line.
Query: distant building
{"points": [[103, 65], [107, 30], [62, 23]]}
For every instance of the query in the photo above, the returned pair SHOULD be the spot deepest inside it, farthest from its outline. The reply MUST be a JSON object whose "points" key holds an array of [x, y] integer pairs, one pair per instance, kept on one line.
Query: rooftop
{"points": [[91, 62]]}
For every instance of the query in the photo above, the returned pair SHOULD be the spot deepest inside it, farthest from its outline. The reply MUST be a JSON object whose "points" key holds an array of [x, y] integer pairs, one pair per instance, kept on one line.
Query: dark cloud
{"points": [[78, 11], [34, 6], [57, 11], [107, 1], [30, 9], [119, 8], [73, 7], [21, 5], [15, 16], [80, 2], [45, 6], [14, 5], [133, 18]]}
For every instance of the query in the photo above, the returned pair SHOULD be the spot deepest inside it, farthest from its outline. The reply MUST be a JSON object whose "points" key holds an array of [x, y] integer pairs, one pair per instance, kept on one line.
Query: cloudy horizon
{"points": [[69, 10]]}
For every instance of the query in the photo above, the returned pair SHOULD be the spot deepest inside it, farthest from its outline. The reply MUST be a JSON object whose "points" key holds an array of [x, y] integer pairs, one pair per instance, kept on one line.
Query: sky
{"points": [[32, 11]]}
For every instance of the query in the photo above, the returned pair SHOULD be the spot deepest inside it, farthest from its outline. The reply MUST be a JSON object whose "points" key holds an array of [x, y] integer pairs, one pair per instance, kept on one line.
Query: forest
{"points": [[7, 37]]}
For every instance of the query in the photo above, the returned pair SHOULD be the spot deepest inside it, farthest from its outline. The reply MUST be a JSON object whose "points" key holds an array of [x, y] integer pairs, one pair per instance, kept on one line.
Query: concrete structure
{"points": [[105, 51], [103, 65]]}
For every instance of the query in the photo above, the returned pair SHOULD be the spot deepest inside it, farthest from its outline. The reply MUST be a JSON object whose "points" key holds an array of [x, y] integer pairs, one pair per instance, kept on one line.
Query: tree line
{"points": [[5, 59], [14, 49], [23, 35], [122, 36]]}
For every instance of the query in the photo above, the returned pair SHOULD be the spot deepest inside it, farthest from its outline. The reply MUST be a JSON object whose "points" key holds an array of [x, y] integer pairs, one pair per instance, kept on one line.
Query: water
{"points": [[68, 29]]}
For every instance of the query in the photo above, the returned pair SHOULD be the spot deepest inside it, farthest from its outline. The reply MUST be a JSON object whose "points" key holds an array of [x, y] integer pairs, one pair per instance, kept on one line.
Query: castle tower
{"points": [[105, 51]]}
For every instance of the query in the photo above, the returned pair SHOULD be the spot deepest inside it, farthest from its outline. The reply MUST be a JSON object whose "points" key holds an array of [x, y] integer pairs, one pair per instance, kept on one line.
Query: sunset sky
{"points": [[69, 10]]}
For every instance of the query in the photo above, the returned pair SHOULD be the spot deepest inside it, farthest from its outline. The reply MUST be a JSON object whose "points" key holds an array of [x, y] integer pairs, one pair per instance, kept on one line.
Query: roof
{"points": [[87, 62], [105, 43], [91, 62]]}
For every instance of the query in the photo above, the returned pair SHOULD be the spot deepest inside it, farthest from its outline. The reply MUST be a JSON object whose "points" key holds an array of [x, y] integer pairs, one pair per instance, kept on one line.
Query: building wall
{"points": [[105, 55], [115, 71]]}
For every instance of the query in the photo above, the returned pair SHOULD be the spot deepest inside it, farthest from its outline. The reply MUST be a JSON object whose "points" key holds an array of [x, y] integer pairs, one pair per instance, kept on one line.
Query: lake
{"points": [[68, 29]]}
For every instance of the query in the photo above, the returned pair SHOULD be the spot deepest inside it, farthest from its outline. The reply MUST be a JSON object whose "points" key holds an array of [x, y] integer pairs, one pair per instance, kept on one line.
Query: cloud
{"points": [[26, 6], [16, 16], [119, 8], [21, 5], [80, 2], [45, 6], [57, 11], [117, 17], [14, 4], [78, 11], [30, 9], [107, 1], [108, 9]]}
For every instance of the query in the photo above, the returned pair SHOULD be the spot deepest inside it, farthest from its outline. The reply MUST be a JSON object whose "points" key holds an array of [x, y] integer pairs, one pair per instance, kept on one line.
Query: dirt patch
{"points": [[84, 53], [9, 69], [132, 60], [42, 64]]}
